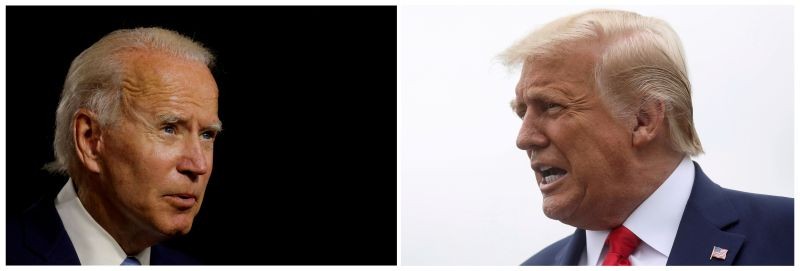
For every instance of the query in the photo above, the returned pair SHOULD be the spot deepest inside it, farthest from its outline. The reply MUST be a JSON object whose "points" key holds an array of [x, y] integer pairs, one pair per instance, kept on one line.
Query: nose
{"points": [[530, 137], [193, 161]]}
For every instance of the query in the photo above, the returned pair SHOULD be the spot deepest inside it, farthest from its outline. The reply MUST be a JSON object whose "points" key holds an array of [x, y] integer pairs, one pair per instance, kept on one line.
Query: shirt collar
{"points": [[656, 220], [92, 243]]}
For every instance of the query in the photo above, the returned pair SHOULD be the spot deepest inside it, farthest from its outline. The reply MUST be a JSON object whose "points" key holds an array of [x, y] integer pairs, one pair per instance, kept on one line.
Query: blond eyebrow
{"points": [[516, 106], [543, 93], [533, 93]]}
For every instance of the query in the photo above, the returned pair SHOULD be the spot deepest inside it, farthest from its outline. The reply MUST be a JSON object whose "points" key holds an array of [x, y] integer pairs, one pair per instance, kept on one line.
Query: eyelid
{"points": [[549, 104], [212, 133], [171, 126]]}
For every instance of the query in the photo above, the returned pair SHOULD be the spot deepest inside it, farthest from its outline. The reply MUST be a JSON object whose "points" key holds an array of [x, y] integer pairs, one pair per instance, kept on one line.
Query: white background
{"points": [[468, 196]]}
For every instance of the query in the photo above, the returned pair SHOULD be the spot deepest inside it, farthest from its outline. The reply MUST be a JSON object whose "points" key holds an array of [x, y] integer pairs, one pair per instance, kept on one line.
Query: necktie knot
{"points": [[131, 261], [621, 244]]}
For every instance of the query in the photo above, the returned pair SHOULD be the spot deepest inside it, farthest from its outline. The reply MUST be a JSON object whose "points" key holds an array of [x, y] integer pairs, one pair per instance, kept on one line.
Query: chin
{"points": [[556, 210], [177, 230], [582, 219], [176, 226]]}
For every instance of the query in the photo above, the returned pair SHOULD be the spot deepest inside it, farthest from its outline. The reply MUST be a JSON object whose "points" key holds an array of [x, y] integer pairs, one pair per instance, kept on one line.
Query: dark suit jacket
{"points": [[38, 237], [755, 229]]}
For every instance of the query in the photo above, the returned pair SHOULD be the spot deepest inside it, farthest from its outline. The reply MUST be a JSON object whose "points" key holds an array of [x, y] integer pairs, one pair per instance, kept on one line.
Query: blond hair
{"points": [[94, 81], [641, 57]]}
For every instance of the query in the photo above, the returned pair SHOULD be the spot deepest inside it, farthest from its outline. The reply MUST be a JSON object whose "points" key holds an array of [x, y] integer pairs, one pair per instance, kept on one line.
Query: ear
{"points": [[649, 118], [87, 139]]}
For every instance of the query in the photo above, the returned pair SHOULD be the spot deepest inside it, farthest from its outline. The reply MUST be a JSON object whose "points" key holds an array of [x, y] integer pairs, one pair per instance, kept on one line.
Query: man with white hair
{"points": [[606, 111], [135, 132]]}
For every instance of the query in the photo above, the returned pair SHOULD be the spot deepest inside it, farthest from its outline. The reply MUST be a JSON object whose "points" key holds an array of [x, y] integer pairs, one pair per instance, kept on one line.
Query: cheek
{"points": [[161, 157], [598, 157], [210, 158], [598, 132], [573, 138], [592, 147], [148, 171], [124, 166], [140, 167]]}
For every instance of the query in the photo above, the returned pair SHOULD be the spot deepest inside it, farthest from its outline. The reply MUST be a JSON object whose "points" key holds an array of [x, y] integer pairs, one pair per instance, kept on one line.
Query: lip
{"points": [[181, 201], [549, 187]]}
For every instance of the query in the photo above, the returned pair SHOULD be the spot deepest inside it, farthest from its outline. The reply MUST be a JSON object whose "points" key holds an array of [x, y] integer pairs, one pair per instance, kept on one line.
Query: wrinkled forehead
{"points": [[151, 75], [572, 62], [156, 84]]}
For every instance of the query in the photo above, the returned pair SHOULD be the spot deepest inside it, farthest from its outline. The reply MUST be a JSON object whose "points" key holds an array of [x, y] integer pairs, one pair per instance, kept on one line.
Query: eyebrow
{"points": [[544, 93], [534, 93], [170, 118], [174, 118], [519, 104], [216, 127], [516, 105]]}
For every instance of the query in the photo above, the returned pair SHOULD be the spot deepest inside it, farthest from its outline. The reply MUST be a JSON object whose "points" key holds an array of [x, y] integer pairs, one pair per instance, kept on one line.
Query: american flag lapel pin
{"points": [[718, 253]]}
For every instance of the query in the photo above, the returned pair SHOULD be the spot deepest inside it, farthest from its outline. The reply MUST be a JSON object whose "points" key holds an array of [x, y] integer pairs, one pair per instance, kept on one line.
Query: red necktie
{"points": [[621, 243]]}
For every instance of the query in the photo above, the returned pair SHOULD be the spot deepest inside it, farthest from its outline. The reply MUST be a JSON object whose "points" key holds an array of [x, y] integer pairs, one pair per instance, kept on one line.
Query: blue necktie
{"points": [[130, 261]]}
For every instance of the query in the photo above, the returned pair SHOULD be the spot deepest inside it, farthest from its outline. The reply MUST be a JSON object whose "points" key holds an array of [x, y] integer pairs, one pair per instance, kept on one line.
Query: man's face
{"points": [[578, 150], [156, 160]]}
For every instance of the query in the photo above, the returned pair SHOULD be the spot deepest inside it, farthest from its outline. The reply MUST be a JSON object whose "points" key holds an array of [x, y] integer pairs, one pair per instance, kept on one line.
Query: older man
{"points": [[135, 132], [607, 124]]}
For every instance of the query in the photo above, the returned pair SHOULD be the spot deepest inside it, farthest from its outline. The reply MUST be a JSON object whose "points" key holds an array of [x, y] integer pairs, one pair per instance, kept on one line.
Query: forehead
{"points": [[574, 67], [152, 79]]}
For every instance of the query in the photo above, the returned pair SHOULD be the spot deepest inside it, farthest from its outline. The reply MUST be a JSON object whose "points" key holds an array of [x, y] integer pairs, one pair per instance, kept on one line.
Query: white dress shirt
{"points": [[92, 243], [655, 221]]}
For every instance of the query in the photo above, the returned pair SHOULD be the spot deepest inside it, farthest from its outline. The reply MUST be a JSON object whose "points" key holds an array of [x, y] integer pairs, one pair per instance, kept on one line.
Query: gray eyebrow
{"points": [[170, 118], [174, 118], [216, 127]]}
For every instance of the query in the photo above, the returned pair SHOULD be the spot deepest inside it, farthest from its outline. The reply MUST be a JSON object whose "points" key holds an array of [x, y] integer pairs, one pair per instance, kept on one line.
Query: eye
{"points": [[521, 113], [208, 135], [169, 129], [551, 107]]}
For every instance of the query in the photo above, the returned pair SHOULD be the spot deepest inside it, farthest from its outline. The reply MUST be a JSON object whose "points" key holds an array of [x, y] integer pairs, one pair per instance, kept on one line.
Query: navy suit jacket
{"points": [[38, 237], [755, 229]]}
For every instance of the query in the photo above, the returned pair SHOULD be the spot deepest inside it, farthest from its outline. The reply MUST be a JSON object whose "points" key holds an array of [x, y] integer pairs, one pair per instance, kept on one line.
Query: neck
{"points": [[131, 235], [652, 171]]}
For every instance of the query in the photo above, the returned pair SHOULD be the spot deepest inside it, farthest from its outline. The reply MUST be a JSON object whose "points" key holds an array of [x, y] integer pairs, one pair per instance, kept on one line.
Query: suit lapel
{"points": [[708, 213], [45, 235], [570, 254]]}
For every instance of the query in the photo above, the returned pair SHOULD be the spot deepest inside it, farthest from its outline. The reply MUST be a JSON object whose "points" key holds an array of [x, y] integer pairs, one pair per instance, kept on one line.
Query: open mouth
{"points": [[551, 174]]}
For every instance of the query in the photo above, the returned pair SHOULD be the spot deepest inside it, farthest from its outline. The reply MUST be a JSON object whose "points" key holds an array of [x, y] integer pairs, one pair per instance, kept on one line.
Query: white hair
{"points": [[641, 58], [94, 81]]}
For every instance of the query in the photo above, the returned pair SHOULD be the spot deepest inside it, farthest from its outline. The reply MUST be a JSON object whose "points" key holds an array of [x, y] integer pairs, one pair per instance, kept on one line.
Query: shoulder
{"points": [[750, 208], [759, 213], [547, 256], [16, 252], [163, 255], [767, 224], [761, 204], [37, 237]]}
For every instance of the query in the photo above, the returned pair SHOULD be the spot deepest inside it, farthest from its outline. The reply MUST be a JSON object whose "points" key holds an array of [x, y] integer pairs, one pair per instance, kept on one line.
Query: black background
{"points": [[305, 169]]}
